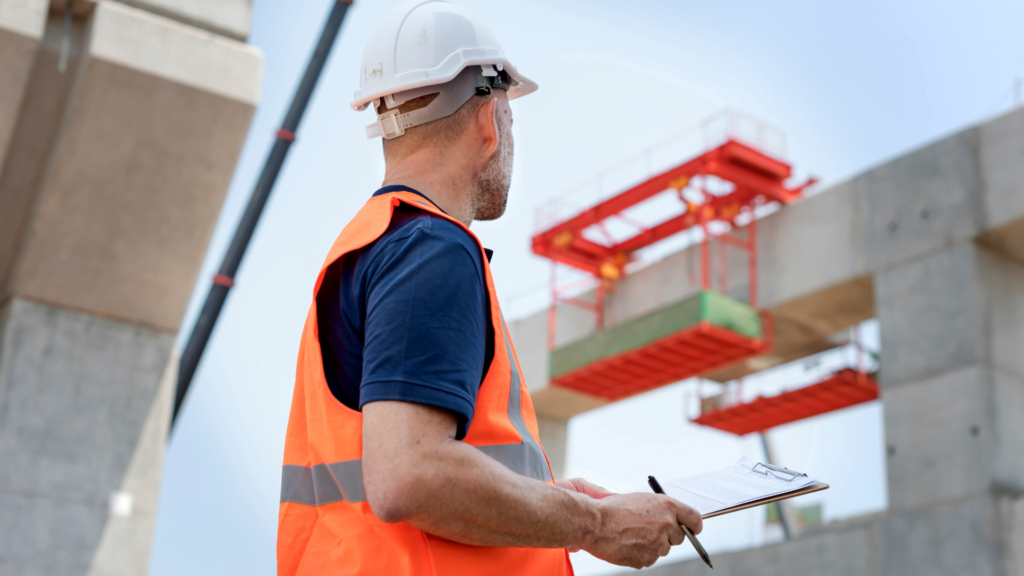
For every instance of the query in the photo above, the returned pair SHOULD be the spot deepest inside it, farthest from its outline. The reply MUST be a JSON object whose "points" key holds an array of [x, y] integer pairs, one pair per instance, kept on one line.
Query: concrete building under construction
{"points": [[932, 245]]}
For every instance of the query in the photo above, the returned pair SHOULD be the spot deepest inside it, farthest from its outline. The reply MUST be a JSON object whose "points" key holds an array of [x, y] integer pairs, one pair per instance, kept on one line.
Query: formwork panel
{"points": [[698, 334], [843, 389]]}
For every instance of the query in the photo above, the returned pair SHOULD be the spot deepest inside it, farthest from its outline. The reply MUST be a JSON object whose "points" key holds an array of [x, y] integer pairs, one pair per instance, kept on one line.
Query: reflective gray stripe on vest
{"points": [[525, 459], [323, 483], [515, 413], [343, 481]]}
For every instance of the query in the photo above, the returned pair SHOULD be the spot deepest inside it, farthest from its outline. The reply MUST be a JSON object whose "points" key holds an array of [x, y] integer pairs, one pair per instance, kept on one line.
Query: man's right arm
{"points": [[415, 471]]}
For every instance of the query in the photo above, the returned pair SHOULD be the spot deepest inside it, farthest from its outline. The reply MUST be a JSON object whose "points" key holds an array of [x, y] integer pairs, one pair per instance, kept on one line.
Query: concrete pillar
{"points": [[553, 437], [112, 173], [952, 324], [21, 29]]}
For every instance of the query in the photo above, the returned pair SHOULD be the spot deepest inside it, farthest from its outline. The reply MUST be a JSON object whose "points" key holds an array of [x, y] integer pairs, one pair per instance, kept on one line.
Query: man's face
{"points": [[494, 179]]}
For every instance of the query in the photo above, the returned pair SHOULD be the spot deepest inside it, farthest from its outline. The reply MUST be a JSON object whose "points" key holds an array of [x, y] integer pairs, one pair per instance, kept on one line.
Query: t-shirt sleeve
{"points": [[426, 322]]}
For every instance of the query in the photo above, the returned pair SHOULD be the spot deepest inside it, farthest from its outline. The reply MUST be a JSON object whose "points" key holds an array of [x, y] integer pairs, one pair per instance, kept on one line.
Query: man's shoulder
{"points": [[418, 230]]}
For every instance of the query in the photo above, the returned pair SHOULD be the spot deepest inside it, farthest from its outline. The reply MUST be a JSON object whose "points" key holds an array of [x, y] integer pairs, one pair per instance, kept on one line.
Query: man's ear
{"points": [[486, 121]]}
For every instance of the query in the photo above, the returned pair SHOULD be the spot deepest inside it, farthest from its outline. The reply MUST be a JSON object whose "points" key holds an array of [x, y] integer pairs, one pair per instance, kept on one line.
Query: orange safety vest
{"points": [[325, 524]]}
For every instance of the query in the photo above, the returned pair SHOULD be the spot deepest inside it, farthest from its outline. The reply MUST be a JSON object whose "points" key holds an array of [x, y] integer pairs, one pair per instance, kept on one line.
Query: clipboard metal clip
{"points": [[780, 472]]}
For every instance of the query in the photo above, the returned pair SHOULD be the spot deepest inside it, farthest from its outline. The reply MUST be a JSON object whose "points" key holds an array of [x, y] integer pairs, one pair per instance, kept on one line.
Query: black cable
{"points": [[224, 279]]}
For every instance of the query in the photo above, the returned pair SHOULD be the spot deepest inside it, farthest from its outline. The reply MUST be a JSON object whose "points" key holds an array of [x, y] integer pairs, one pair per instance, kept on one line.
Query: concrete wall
{"points": [[850, 549], [75, 391], [227, 17], [21, 29], [123, 164], [977, 536], [112, 174]]}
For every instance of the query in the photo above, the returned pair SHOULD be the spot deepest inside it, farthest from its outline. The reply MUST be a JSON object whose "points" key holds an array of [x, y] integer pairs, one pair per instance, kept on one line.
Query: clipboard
{"points": [[816, 487], [738, 487]]}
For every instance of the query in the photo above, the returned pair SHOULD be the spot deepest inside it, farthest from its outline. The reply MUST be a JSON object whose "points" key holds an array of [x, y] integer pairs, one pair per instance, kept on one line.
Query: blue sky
{"points": [[851, 83]]}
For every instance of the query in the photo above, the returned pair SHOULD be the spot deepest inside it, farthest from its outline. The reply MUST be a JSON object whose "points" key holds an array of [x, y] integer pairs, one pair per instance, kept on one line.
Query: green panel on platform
{"points": [[716, 308]]}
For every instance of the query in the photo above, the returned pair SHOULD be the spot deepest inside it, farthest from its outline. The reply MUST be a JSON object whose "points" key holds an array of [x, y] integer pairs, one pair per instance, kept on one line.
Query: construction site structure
{"points": [[120, 127], [718, 191], [931, 245], [843, 389], [730, 412]]}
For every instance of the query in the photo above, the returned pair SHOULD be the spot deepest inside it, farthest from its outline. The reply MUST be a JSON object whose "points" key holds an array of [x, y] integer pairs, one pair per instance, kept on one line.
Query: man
{"points": [[412, 445]]}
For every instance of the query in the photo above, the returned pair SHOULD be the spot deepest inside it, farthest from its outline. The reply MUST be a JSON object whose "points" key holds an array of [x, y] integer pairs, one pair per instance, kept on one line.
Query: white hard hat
{"points": [[427, 43]]}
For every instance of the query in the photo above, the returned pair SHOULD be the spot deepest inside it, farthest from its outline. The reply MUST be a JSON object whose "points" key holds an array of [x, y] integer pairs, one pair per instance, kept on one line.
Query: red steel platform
{"points": [[841, 390], [756, 178], [689, 352]]}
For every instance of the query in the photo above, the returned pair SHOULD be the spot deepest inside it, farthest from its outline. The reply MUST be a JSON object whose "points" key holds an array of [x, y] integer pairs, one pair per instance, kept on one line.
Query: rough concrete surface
{"points": [[136, 180], [38, 118], [229, 17], [812, 245], [960, 537], [1012, 515], [24, 17], [75, 392], [553, 437], [923, 201], [1002, 284], [940, 437], [930, 315], [850, 550], [155, 45], [127, 538], [1002, 168], [16, 55]]}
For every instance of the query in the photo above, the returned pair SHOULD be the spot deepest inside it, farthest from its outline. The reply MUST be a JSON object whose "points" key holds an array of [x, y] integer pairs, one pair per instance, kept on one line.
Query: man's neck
{"points": [[440, 179]]}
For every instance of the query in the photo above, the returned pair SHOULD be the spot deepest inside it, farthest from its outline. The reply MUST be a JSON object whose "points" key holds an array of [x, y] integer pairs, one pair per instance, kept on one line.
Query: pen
{"points": [[653, 482]]}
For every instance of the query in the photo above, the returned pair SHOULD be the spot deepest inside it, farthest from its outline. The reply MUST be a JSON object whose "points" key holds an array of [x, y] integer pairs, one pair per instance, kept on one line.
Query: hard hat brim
{"points": [[419, 79]]}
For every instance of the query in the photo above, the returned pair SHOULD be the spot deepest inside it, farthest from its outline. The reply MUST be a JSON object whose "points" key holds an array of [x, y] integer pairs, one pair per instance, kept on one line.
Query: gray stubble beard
{"points": [[493, 182]]}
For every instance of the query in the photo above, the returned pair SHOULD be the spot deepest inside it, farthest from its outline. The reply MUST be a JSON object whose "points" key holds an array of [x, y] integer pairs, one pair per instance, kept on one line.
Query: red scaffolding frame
{"points": [[756, 179], [841, 389]]}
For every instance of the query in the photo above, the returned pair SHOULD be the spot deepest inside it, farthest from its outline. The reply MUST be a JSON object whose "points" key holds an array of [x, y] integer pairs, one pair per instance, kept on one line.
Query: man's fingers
{"points": [[688, 517], [676, 537], [664, 549], [584, 487], [592, 490]]}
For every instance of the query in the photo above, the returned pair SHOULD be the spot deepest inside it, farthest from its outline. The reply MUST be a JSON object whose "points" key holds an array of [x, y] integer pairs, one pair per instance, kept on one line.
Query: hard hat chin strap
{"points": [[474, 80]]}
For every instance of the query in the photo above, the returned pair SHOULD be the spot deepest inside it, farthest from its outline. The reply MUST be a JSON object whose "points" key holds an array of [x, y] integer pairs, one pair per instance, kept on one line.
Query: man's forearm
{"points": [[416, 472], [470, 498]]}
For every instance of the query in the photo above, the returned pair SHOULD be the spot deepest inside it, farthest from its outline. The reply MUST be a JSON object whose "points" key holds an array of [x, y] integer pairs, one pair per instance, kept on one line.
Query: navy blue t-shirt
{"points": [[408, 317]]}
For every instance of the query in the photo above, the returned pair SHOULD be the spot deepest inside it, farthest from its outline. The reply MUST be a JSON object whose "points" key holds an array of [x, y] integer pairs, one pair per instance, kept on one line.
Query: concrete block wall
{"points": [[21, 29], [848, 549], [130, 180], [75, 392], [227, 17], [112, 174]]}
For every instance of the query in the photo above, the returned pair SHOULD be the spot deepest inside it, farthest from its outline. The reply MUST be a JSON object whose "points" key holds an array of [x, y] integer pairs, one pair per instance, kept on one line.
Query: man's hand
{"points": [[581, 486], [637, 529]]}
